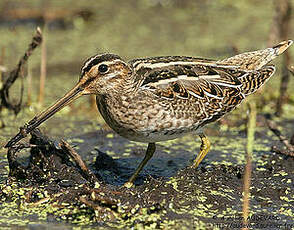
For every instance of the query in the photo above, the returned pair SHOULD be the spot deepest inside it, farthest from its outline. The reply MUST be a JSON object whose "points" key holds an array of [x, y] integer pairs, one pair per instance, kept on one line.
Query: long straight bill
{"points": [[72, 95]]}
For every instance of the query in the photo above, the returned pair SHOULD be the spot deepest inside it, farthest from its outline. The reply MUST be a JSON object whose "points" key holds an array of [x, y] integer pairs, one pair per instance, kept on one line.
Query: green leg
{"points": [[149, 153], [204, 148]]}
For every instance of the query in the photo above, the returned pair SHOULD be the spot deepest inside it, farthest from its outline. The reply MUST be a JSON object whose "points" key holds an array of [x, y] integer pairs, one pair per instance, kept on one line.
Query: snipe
{"points": [[161, 98]]}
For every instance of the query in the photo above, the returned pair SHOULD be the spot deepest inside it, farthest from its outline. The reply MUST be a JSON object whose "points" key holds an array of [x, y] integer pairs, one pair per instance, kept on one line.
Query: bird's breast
{"points": [[143, 119]]}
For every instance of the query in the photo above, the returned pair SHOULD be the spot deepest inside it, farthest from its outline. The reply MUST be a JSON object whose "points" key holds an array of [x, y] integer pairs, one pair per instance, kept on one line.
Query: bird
{"points": [[162, 98]]}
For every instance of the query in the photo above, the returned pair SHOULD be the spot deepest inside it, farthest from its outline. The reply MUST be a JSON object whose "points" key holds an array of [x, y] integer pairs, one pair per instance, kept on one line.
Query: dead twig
{"points": [[288, 143], [90, 204], [285, 152], [39, 202], [79, 162], [45, 158], [274, 128], [99, 208], [96, 195], [14, 74]]}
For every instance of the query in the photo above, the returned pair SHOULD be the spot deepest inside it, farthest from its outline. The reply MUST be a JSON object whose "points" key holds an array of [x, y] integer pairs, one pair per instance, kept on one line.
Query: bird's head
{"points": [[100, 74]]}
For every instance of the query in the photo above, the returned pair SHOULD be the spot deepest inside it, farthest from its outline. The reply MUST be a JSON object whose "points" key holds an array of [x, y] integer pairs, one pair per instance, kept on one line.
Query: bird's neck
{"points": [[126, 86]]}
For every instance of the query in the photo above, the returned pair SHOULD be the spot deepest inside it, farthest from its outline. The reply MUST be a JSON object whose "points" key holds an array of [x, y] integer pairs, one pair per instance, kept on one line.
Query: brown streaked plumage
{"points": [[157, 99]]}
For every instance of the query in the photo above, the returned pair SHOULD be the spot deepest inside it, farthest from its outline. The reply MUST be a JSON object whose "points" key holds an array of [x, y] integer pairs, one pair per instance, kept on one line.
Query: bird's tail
{"points": [[257, 59], [253, 80]]}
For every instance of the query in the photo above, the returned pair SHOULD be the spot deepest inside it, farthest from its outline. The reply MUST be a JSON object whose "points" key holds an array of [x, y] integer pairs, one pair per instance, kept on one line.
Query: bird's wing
{"points": [[193, 81], [184, 77], [218, 87]]}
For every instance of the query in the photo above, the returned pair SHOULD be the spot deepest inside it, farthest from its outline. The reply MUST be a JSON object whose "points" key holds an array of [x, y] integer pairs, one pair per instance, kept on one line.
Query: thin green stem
{"points": [[249, 149]]}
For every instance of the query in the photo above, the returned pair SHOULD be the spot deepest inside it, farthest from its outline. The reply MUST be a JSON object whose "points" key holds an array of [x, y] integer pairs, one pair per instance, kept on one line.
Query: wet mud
{"points": [[46, 186]]}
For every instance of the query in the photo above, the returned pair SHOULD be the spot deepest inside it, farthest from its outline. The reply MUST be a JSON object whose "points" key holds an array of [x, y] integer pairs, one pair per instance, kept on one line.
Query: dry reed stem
{"points": [[2, 58], [283, 10], [249, 149], [43, 67]]}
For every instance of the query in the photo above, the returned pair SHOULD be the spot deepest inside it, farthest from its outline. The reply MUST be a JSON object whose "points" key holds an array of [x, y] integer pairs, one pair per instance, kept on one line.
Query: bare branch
{"points": [[14, 74]]}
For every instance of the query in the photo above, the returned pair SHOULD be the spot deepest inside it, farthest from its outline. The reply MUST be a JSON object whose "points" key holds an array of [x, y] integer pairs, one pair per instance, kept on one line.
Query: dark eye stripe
{"points": [[89, 66], [94, 60]]}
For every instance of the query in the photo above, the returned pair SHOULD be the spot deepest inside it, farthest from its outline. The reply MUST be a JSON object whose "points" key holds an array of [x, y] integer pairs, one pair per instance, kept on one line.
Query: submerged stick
{"points": [[249, 150], [14, 74]]}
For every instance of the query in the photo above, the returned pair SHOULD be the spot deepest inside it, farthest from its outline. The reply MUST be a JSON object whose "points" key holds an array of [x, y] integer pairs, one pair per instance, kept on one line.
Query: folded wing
{"points": [[218, 88]]}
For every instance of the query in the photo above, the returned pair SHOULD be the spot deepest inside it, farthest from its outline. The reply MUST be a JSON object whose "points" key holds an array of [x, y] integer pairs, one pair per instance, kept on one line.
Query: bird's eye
{"points": [[103, 68]]}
